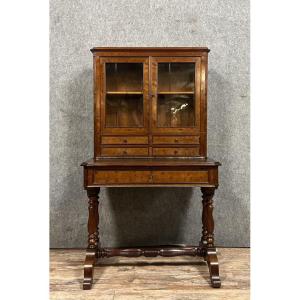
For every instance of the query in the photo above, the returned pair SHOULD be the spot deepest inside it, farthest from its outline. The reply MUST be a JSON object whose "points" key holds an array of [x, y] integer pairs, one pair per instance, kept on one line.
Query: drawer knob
{"points": [[124, 152], [176, 141], [125, 141]]}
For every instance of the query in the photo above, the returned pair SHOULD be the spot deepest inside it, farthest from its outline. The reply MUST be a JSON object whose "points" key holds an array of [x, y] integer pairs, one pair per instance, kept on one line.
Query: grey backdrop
{"points": [[148, 215]]}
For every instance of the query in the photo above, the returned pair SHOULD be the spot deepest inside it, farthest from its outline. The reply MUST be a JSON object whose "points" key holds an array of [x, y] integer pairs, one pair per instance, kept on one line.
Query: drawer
{"points": [[124, 140], [180, 176], [176, 140], [189, 151], [121, 177], [122, 151]]}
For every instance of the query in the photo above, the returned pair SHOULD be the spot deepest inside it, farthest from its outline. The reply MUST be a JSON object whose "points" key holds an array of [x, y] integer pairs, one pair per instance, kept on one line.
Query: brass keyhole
{"points": [[124, 152], [151, 178], [175, 152], [124, 141], [176, 141]]}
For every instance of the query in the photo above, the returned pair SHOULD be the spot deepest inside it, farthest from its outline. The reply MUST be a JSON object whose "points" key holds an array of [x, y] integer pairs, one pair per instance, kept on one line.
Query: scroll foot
{"points": [[89, 263], [213, 266]]}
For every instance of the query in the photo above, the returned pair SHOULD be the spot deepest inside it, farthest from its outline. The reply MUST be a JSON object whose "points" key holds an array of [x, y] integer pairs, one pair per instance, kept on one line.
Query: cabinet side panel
{"points": [[97, 92], [203, 106]]}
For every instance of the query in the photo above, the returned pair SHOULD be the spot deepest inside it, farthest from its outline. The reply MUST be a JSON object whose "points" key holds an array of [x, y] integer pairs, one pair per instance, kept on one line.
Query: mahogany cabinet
{"points": [[150, 129], [150, 102]]}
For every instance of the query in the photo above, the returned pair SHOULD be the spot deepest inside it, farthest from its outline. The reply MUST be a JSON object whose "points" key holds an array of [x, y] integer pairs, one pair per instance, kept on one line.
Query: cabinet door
{"points": [[124, 95], [175, 95]]}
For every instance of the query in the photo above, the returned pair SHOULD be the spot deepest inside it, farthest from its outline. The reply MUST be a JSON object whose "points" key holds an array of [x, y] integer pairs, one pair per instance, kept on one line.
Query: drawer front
{"points": [[124, 140], [121, 177], [180, 176], [176, 140], [124, 151], [176, 151]]}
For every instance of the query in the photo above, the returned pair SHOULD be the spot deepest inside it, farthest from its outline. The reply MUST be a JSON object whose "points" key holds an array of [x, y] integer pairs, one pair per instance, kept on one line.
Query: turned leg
{"points": [[93, 238], [207, 239]]}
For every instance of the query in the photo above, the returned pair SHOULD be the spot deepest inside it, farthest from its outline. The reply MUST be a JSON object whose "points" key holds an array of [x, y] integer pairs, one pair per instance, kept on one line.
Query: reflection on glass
{"points": [[175, 95], [124, 111], [175, 111], [124, 95], [124, 77], [176, 77]]}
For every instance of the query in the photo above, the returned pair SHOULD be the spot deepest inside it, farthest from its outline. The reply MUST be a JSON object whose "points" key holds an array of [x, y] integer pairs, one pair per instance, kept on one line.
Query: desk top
{"points": [[148, 162]]}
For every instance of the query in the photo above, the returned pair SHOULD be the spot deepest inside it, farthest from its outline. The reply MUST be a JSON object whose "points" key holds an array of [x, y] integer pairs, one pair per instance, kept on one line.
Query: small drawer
{"points": [[121, 177], [176, 140], [180, 177], [124, 151], [189, 151], [124, 140]]}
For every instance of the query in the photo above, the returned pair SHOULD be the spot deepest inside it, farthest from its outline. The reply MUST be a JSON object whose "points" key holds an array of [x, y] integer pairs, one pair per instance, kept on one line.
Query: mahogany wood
{"points": [[213, 266], [207, 239], [88, 271], [150, 155], [150, 57], [168, 251], [176, 140], [124, 151], [181, 152], [93, 237], [125, 140]]}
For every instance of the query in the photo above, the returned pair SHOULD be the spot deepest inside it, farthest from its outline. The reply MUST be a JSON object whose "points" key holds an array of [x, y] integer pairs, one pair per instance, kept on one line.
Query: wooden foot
{"points": [[213, 266], [93, 238], [207, 239], [89, 263]]}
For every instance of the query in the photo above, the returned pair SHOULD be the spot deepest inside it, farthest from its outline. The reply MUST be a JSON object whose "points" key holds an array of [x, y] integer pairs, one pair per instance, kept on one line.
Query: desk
{"points": [[151, 172]]}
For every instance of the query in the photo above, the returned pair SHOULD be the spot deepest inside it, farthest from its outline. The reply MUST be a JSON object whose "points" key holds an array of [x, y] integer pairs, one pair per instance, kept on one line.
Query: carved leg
{"points": [[93, 238], [207, 239]]}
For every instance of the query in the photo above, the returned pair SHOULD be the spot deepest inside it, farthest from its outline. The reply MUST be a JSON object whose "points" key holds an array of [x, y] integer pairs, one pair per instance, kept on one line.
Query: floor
{"points": [[150, 278]]}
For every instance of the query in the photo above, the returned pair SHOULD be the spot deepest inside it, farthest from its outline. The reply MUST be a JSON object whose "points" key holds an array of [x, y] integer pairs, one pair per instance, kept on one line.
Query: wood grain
{"points": [[121, 122], [150, 278], [132, 162], [118, 151], [124, 140], [192, 151], [182, 176], [176, 140], [115, 177]]}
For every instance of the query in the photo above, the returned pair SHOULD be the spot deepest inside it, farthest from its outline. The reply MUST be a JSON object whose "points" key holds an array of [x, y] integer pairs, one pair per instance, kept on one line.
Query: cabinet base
{"points": [[209, 255]]}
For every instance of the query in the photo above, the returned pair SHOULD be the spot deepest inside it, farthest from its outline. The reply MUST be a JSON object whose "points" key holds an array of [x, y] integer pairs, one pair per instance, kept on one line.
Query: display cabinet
{"points": [[150, 106], [150, 129]]}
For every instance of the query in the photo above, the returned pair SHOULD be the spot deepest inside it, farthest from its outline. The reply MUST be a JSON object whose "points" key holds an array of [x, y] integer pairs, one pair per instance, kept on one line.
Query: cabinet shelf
{"points": [[176, 93], [124, 92]]}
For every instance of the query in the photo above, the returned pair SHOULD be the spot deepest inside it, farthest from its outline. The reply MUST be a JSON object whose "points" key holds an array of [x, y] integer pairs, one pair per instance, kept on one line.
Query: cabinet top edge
{"points": [[151, 162], [112, 49]]}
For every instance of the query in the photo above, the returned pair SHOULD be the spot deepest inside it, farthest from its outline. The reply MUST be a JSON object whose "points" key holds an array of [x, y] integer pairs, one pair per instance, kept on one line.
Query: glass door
{"points": [[124, 96], [175, 95]]}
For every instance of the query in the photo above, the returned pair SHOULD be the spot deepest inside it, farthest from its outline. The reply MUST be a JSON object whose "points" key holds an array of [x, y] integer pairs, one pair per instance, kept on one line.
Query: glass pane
{"points": [[124, 77], [176, 77], [124, 110], [175, 110], [124, 95], [175, 95]]}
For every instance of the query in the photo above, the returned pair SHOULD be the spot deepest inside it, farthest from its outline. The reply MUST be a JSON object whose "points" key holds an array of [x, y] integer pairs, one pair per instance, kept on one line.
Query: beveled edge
{"points": [[132, 161], [202, 49]]}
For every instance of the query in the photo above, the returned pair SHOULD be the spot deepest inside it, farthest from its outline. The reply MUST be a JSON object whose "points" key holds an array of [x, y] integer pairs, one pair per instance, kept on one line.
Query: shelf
{"points": [[125, 93], [176, 93], [141, 93]]}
